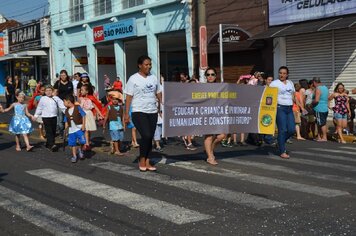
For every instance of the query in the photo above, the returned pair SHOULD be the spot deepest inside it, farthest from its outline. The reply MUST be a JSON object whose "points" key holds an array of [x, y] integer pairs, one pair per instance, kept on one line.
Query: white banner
{"points": [[289, 11]]}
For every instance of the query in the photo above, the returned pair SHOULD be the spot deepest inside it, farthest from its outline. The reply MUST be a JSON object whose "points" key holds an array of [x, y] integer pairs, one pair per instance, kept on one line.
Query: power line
{"points": [[32, 10]]}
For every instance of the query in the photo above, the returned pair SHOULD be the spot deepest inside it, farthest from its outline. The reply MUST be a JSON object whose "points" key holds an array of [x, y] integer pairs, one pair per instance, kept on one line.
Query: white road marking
{"points": [[163, 210], [46, 217], [210, 190], [315, 163], [283, 184], [291, 171], [332, 151], [326, 156], [349, 148]]}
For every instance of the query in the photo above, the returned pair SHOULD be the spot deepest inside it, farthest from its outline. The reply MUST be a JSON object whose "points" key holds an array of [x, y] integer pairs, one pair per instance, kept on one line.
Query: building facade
{"points": [[314, 38], [107, 36]]}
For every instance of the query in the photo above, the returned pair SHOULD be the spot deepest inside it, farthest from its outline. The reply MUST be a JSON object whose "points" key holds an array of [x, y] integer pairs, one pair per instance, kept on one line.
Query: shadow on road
{"points": [[2, 175]]}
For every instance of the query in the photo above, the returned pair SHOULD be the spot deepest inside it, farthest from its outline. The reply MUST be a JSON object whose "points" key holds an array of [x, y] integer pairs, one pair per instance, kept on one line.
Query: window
{"points": [[76, 10], [132, 3], [102, 7]]}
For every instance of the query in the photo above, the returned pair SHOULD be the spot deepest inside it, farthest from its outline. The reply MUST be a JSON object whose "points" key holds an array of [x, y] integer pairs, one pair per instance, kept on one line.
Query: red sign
{"points": [[2, 53], [203, 50], [98, 33]]}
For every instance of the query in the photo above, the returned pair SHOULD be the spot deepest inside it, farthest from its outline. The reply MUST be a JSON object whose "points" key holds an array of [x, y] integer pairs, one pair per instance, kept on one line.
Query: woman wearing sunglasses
{"points": [[211, 140]]}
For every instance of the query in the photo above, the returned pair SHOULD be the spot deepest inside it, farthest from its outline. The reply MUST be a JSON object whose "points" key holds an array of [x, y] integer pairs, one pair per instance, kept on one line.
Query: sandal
{"points": [[18, 149], [29, 149], [211, 161], [284, 156]]}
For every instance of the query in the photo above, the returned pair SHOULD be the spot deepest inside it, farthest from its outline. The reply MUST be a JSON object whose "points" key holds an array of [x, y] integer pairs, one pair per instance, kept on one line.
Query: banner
{"points": [[2, 46], [289, 11], [216, 108]]}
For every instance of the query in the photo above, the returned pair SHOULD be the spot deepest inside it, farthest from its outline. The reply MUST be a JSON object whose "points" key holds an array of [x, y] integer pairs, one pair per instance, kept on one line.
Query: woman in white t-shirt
{"points": [[142, 91], [285, 117]]}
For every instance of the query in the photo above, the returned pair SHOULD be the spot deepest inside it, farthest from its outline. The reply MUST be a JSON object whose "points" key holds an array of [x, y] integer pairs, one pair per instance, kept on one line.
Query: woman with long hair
{"points": [[211, 140]]}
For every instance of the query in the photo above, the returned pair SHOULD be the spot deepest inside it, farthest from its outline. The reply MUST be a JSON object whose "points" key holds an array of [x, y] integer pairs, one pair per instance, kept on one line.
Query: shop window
{"points": [[132, 3], [102, 7], [76, 10]]}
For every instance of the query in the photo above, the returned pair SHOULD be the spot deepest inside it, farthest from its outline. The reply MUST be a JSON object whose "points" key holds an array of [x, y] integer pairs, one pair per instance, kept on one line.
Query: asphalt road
{"points": [[251, 192]]}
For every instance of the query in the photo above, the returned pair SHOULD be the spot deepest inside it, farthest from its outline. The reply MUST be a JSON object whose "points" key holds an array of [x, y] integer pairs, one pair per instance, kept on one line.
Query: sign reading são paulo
{"points": [[289, 11], [116, 30], [198, 109]]}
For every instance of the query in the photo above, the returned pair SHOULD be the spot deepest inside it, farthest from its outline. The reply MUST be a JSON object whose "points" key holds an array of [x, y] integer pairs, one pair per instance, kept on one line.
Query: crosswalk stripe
{"points": [[349, 148], [46, 217], [284, 184], [163, 210], [315, 163], [217, 192], [332, 150], [326, 156], [291, 171]]}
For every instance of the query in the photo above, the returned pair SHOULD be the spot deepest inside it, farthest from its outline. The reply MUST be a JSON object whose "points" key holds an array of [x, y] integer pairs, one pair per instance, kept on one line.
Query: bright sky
{"points": [[23, 10]]}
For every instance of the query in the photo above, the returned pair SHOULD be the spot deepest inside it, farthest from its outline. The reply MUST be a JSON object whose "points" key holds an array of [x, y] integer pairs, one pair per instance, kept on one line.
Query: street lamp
{"points": [[221, 49]]}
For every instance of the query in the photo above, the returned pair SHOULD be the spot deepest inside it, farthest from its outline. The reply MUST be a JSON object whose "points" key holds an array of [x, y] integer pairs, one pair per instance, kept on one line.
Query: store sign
{"points": [[230, 35], [2, 46], [25, 37], [289, 11], [116, 30]]}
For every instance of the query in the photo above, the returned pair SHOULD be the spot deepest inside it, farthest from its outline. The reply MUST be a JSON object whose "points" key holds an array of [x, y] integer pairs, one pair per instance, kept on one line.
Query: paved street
{"points": [[250, 192]]}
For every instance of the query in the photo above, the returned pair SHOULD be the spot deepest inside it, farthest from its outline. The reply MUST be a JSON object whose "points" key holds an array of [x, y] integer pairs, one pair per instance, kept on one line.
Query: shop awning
{"points": [[308, 27], [23, 55]]}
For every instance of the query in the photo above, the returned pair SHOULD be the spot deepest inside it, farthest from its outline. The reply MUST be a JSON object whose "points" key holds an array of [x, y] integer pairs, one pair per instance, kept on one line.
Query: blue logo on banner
{"points": [[120, 29]]}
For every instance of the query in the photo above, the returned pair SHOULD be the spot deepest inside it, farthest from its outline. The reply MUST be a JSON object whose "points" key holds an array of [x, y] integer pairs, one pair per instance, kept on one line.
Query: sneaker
{"points": [[191, 147], [74, 159], [243, 144], [54, 148], [81, 154], [159, 149], [289, 141], [226, 144]]}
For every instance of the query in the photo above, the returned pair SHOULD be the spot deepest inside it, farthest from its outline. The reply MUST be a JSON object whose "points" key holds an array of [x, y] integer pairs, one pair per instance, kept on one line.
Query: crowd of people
{"points": [[71, 108]]}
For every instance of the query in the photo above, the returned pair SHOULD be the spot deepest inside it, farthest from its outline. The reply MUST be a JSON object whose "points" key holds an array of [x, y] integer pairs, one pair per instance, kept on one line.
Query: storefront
{"points": [[314, 40], [109, 44], [28, 52]]}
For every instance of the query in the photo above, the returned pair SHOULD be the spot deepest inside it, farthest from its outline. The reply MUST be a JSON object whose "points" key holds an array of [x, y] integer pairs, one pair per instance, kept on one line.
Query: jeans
{"points": [[145, 124], [285, 125]]}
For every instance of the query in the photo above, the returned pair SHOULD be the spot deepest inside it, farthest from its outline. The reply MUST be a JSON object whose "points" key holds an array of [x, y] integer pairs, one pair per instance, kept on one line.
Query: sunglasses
{"points": [[210, 74]]}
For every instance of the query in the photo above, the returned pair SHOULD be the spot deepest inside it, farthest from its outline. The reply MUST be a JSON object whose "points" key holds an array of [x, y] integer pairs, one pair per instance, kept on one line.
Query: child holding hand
{"points": [[75, 123], [115, 117]]}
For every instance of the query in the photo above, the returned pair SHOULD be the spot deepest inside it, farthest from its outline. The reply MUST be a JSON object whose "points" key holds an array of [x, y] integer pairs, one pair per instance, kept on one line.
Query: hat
{"points": [[115, 95], [84, 75]]}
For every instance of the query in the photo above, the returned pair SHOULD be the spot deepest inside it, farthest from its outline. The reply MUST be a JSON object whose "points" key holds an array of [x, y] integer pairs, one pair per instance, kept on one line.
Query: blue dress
{"points": [[20, 123]]}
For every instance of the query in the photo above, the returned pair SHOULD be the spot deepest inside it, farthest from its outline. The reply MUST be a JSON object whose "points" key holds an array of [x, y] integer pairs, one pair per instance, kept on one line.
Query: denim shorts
{"points": [[73, 137], [117, 135], [338, 116]]}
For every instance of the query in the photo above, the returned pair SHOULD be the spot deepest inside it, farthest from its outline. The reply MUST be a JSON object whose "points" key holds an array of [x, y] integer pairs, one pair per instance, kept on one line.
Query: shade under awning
{"points": [[23, 55], [308, 27]]}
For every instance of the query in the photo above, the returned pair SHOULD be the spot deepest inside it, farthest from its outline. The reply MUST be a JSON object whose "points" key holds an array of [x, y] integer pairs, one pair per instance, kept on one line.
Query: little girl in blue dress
{"points": [[20, 123]]}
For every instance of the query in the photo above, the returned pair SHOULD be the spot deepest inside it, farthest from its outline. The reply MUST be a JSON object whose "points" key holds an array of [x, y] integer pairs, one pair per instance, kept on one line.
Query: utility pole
{"points": [[203, 48]]}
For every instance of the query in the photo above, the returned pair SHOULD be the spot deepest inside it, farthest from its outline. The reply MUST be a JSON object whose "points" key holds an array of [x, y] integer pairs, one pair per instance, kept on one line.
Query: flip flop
{"points": [[29, 149]]}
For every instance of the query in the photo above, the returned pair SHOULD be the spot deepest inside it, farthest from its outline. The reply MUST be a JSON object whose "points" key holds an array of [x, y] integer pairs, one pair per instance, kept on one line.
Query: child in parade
{"points": [[48, 108], [75, 123], [115, 117], [158, 133], [20, 123], [87, 105], [41, 92]]}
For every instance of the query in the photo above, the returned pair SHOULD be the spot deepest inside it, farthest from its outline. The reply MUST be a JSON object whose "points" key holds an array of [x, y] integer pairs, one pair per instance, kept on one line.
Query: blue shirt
{"points": [[323, 101], [116, 124]]}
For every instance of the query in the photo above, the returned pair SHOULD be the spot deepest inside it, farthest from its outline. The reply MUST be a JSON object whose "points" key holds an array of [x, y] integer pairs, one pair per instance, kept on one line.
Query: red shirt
{"points": [[117, 85]]}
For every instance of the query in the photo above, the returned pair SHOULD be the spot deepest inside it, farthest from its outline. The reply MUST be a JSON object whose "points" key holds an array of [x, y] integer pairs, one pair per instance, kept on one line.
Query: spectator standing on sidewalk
{"points": [[285, 117], [320, 103], [341, 109], [9, 91]]}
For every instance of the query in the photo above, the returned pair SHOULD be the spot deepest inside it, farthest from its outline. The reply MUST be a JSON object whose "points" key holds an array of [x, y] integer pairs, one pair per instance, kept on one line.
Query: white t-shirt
{"points": [[143, 91], [285, 92]]}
